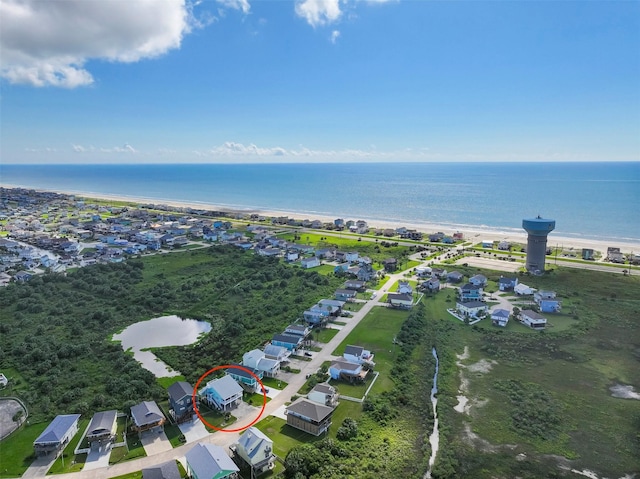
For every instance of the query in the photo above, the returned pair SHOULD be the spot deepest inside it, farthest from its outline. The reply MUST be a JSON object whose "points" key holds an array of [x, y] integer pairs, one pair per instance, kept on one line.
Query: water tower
{"points": [[538, 229]]}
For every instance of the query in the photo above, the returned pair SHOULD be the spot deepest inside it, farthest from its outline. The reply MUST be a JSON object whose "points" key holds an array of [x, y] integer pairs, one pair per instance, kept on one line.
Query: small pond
{"points": [[160, 332]]}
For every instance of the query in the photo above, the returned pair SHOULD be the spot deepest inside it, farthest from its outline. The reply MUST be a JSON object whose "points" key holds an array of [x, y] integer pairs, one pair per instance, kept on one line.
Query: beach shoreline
{"points": [[471, 233]]}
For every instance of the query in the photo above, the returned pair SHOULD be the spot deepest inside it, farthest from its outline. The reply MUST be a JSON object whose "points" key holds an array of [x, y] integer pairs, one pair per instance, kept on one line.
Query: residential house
{"points": [[615, 255], [223, 393], [208, 461], [278, 353], [471, 308], [287, 341], [257, 360], [325, 394], [543, 294], [422, 271], [298, 330], [404, 287], [436, 237], [348, 371], [23, 276], [587, 253], [102, 429], [269, 251], [533, 319], [550, 305], [448, 240], [458, 236], [478, 280], [256, 450], [3, 380], [308, 263], [345, 294], [166, 470], [390, 264], [363, 273], [431, 285], [339, 223], [504, 245], [309, 416], [470, 292], [522, 289], [454, 277], [291, 256], [440, 273], [357, 354], [487, 244], [248, 378], [354, 284], [341, 268], [401, 301], [325, 253], [500, 317], [315, 316], [57, 435], [147, 416], [181, 401], [507, 284], [333, 305]]}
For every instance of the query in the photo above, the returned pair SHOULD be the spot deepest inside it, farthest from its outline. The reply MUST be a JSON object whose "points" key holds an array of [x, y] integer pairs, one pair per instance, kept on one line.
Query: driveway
{"points": [[155, 442], [193, 430], [97, 458], [39, 467]]}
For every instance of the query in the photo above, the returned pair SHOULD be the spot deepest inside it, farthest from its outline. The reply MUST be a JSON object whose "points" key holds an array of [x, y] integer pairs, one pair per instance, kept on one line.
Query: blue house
{"points": [[507, 284], [181, 401], [287, 341], [549, 305], [223, 393], [341, 268], [470, 292]]}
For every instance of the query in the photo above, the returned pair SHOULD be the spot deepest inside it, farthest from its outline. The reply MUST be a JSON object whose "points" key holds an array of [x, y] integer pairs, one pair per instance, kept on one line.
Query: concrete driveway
{"points": [[97, 458], [193, 430], [155, 442], [40, 466]]}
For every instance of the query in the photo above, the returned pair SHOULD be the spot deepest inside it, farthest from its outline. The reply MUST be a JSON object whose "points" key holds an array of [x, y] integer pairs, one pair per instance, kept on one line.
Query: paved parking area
{"points": [[40, 466], [280, 412], [155, 442], [194, 430]]}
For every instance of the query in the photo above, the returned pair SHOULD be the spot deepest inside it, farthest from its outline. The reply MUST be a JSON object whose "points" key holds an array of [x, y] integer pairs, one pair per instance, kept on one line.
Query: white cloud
{"points": [[318, 12], [126, 148], [47, 43], [78, 148], [334, 36], [236, 5]]}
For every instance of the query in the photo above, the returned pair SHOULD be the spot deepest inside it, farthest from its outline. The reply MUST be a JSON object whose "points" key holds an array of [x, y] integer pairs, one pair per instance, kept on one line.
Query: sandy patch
{"points": [[482, 366], [624, 392], [482, 444], [461, 407], [464, 355]]}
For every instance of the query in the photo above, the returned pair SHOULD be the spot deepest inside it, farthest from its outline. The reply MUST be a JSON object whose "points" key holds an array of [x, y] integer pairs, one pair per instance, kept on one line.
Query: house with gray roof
{"points": [[348, 371], [500, 317], [223, 393], [256, 359], [147, 416], [208, 461], [324, 394], [401, 301], [181, 401], [102, 428], [357, 354], [256, 449], [278, 353], [309, 416], [167, 470], [57, 435], [533, 319]]}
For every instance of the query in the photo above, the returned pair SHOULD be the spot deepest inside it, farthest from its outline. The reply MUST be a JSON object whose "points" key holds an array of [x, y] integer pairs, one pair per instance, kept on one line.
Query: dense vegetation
{"points": [[56, 329]]}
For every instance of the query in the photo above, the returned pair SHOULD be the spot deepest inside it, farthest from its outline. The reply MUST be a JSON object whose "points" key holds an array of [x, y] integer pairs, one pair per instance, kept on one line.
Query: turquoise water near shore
{"points": [[587, 200]]}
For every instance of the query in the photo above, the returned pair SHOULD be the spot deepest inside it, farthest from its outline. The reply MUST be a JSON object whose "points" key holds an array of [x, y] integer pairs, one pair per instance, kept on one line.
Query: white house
{"points": [[324, 394], [310, 262], [256, 449], [404, 287], [223, 393], [357, 354], [257, 359], [523, 290], [500, 317], [471, 308], [402, 301], [533, 319]]}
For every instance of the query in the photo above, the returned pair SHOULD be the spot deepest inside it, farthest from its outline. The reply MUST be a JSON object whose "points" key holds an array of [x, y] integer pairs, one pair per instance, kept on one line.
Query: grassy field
{"points": [[376, 332], [325, 335], [591, 346], [132, 450], [166, 382], [16, 451]]}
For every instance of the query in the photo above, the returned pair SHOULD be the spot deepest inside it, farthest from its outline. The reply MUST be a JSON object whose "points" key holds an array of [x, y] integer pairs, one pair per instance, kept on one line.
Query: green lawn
{"points": [[174, 434], [326, 335], [215, 418], [324, 269], [16, 451], [133, 450], [376, 332], [166, 382], [353, 306], [274, 383]]}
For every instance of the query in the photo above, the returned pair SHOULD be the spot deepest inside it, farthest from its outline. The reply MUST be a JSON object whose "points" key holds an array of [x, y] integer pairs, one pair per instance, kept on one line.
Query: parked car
{"points": [[307, 353]]}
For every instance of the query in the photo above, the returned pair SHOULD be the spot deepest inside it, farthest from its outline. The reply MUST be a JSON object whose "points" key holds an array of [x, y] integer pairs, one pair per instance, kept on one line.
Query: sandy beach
{"points": [[474, 234]]}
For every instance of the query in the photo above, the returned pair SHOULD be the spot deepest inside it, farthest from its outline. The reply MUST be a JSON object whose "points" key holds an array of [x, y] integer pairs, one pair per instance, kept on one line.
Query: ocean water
{"points": [[590, 200]]}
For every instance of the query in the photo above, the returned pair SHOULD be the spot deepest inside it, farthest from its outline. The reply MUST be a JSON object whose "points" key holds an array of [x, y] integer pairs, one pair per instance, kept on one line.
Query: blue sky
{"points": [[319, 80]]}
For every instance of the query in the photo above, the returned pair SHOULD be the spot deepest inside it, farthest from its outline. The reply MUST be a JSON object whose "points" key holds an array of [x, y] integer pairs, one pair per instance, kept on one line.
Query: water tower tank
{"points": [[538, 229]]}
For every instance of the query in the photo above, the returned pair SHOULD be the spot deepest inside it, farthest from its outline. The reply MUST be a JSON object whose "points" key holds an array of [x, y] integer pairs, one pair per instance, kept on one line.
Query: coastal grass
{"points": [[326, 335], [274, 383], [572, 366], [165, 382]]}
